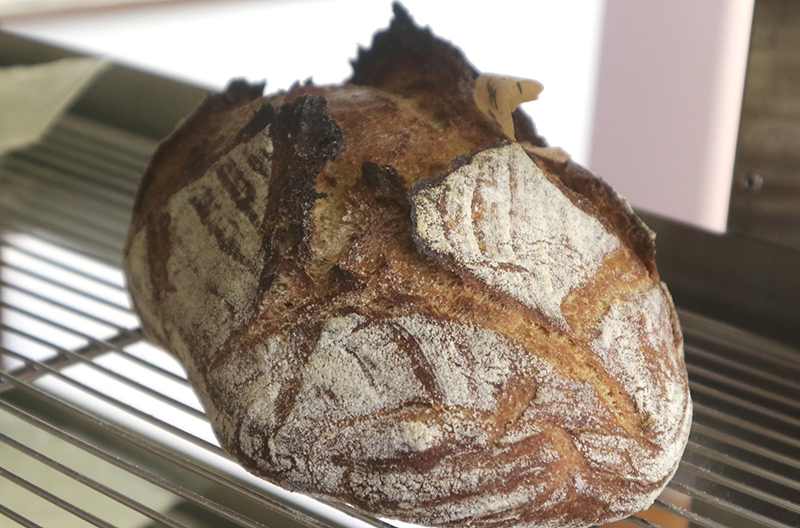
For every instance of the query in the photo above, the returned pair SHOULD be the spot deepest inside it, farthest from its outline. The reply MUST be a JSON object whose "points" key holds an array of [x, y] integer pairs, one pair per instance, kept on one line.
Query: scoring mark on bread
{"points": [[215, 229], [499, 218], [355, 407]]}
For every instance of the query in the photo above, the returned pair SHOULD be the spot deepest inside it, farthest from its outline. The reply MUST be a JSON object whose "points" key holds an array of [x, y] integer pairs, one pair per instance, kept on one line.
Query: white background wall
{"points": [[668, 104], [210, 42]]}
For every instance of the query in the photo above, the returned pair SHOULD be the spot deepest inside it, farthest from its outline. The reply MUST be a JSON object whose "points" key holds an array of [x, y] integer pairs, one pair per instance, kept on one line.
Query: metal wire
{"points": [[753, 469], [743, 387], [119, 462], [172, 456], [90, 483], [739, 486], [115, 402], [745, 369], [17, 518], [79, 359], [759, 410], [727, 506], [697, 519], [750, 447], [643, 523], [54, 499], [99, 343]]}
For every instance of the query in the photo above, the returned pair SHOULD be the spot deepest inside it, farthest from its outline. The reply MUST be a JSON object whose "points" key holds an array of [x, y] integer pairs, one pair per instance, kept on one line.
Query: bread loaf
{"points": [[384, 299]]}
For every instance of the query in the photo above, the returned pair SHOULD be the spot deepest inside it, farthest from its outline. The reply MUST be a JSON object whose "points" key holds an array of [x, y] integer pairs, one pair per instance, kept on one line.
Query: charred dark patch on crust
{"points": [[383, 179], [260, 120], [407, 59], [344, 280], [240, 91], [304, 140], [412, 62]]}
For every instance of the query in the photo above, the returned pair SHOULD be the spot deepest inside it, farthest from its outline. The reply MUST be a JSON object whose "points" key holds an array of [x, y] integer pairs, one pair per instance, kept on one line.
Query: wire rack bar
{"points": [[169, 455], [102, 281], [54, 184], [69, 224], [54, 499], [74, 206], [761, 351], [745, 369], [101, 141], [700, 429], [96, 346], [753, 469], [148, 418], [700, 388], [727, 506], [17, 518], [702, 410], [92, 484], [56, 362], [740, 486], [643, 523], [78, 355], [67, 287], [127, 165], [742, 386], [109, 172], [696, 518], [55, 229], [79, 359], [70, 159], [111, 140], [78, 270], [133, 469], [69, 307]]}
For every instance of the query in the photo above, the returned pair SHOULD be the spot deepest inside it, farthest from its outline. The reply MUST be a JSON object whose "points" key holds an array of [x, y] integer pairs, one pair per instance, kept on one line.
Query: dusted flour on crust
{"points": [[384, 300], [372, 409], [504, 221]]}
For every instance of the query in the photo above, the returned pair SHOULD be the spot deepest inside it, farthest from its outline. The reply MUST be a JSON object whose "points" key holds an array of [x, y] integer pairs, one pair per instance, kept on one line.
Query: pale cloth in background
{"points": [[32, 97]]}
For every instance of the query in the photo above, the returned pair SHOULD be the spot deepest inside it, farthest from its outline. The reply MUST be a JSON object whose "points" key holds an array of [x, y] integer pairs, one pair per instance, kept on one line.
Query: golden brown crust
{"points": [[612, 207], [382, 301]]}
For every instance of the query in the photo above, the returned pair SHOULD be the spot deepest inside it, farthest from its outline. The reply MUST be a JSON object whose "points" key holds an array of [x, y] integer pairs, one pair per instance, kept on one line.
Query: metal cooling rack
{"points": [[99, 428]]}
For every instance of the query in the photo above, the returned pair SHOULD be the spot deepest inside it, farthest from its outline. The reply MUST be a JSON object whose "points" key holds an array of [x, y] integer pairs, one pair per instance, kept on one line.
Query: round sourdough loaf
{"points": [[384, 300]]}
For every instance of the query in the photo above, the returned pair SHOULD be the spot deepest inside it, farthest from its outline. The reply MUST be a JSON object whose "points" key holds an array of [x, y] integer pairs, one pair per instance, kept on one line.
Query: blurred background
{"points": [[646, 94]]}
